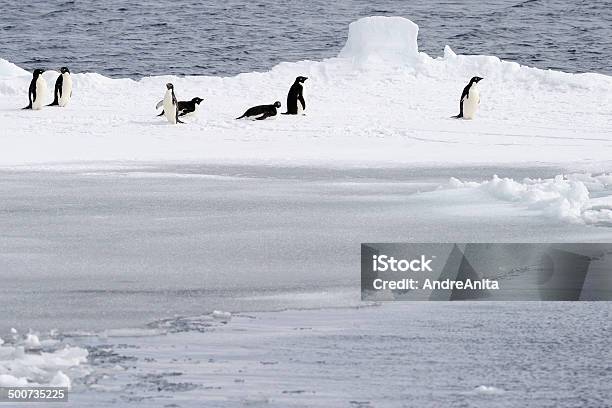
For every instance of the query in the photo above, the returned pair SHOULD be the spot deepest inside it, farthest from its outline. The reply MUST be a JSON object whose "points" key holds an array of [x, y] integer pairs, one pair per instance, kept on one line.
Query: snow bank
{"points": [[391, 40], [381, 102], [9, 70], [19, 367], [566, 197]]}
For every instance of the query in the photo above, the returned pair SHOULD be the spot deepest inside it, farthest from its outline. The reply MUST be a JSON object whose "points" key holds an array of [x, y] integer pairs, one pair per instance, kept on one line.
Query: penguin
{"points": [[186, 107], [295, 98], [470, 99], [265, 111], [37, 91], [170, 105], [63, 88]]}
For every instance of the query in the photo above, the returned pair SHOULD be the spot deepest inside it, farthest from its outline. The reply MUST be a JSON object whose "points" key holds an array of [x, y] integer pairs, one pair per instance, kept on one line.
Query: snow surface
{"points": [[400, 354], [381, 102]]}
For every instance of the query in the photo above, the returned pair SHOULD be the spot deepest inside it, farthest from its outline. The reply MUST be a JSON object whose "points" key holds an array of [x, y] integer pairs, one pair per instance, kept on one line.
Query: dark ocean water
{"points": [[137, 38]]}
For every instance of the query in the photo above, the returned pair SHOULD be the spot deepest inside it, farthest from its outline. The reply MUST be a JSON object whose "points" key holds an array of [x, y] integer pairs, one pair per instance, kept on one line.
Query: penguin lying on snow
{"points": [[470, 99], [265, 111], [170, 105], [186, 107], [295, 99], [63, 89], [37, 91]]}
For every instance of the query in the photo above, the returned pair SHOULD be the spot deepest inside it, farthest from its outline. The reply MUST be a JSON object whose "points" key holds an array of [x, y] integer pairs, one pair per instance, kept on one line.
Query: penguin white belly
{"points": [[169, 108], [471, 103], [300, 108], [66, 90], [41, 93]]}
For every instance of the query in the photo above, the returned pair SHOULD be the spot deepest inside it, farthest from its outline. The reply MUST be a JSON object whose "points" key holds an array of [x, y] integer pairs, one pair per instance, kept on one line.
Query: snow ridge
{"points": [[566, 197]]}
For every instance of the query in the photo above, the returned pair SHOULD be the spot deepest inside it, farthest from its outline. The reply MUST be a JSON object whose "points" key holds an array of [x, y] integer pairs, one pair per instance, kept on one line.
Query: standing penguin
{"points": [[170, 105], [470, 99], [295, 99], [63, 88], [37, 91]]}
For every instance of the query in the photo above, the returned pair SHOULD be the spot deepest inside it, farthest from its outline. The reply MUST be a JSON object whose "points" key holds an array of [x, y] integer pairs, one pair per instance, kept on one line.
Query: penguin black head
{"points": [[277, 104], [169, 86], [301, 79], [476, 80], [197, 100], [64, 70], [37, 72]]}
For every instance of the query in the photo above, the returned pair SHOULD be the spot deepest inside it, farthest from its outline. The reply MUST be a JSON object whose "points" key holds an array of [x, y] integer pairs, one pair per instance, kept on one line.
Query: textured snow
{"points": [[567, 197], [394, 355], [381, 102], [21, 365]]}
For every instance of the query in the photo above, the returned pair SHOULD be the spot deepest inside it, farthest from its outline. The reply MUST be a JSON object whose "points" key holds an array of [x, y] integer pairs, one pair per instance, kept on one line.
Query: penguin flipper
{"points": [[161, 114], [159, 104]]}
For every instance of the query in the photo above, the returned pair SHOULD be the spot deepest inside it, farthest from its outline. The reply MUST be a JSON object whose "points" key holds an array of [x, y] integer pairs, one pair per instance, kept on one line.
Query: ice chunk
{"points": [[382, 39], [60, 380], [31, 342], [18, 367], [7, 380], [448, 52], [566, 197], [223, 316], [487, 390]]}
